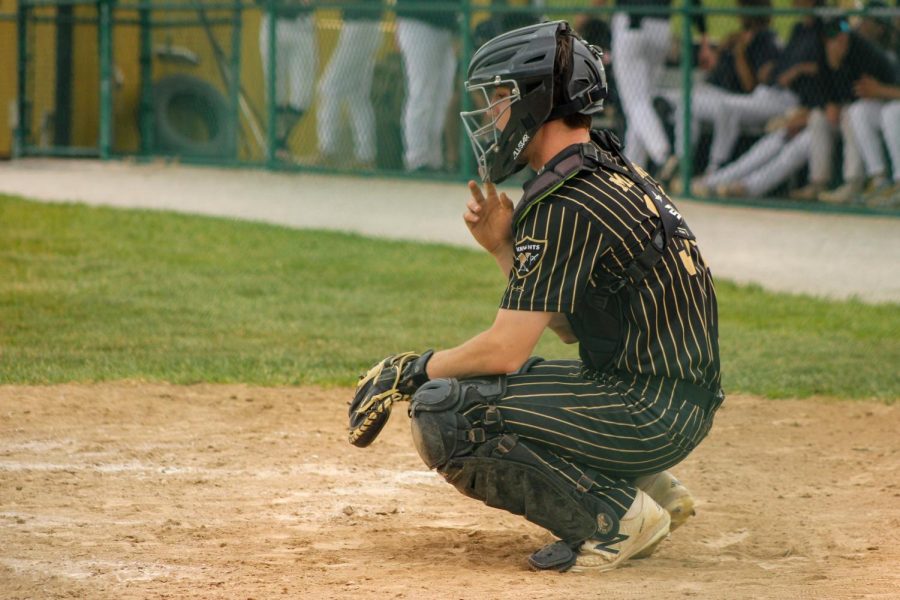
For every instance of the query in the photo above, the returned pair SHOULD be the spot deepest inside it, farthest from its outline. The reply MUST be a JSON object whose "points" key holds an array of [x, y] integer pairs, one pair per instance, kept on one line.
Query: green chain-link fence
{"points": [[706, 97]]}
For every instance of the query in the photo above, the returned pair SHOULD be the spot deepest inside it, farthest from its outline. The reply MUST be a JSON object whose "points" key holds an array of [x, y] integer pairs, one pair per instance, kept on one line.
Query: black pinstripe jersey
{"points": [[590, 229]]}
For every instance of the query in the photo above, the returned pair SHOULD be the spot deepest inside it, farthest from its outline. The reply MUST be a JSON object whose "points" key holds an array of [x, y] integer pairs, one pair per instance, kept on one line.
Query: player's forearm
{"points": [[787, 78], [890, 92], [481, 355], [501, 349], [744, 72]]}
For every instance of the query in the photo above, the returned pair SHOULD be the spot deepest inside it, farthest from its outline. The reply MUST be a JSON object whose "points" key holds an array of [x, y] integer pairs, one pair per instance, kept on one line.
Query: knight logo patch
{"points": [[528, 255]]}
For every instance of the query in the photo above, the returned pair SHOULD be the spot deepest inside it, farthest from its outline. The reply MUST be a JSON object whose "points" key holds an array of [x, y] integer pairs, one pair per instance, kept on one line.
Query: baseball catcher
{"points": [[595, 251]]}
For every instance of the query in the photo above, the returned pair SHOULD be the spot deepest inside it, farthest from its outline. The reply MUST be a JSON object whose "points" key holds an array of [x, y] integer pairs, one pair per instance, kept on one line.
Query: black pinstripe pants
{"points": [[612, 430]]}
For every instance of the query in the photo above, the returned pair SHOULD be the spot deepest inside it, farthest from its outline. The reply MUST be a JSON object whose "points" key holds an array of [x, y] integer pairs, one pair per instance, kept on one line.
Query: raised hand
{"points": [[489, 218]]}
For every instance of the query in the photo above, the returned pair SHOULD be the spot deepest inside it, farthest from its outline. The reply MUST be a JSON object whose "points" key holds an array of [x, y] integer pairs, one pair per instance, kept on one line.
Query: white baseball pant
{"points": [[295, 58], [638, 59], [430, 65], [348, 79]]}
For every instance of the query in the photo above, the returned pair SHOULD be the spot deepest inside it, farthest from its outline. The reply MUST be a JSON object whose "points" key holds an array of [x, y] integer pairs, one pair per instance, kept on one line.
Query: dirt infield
{"points": [[155, 491]]}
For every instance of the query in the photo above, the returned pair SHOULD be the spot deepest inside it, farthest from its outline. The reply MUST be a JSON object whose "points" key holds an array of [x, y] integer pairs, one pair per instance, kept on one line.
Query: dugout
{"points": [[184, 79], [163, 78], [87, 72], [82, 76]]}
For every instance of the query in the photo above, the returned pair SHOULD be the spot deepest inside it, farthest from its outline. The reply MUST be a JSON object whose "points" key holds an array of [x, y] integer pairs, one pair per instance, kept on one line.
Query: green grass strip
{"points": [[96, 294]]}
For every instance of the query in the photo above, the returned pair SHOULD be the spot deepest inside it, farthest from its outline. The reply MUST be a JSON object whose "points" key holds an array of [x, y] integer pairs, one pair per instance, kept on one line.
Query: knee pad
{"points": [[439, 429]]}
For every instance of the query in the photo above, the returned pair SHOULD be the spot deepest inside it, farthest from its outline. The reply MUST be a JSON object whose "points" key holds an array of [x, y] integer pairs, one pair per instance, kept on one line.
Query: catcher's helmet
{"points": [[521, 62]]}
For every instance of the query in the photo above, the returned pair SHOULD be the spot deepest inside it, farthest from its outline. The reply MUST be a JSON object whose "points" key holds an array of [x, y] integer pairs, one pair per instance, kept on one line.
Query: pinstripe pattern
{"points": [[632, 420], [615, 430], [595, 225]]}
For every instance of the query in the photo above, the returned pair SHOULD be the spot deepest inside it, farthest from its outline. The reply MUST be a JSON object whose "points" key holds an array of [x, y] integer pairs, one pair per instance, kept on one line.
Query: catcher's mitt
{"points": [[394, 379]]}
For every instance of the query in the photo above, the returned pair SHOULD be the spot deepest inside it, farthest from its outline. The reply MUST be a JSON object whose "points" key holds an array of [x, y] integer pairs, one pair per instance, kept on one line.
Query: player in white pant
{"points": [[735, 112], [875, 110], [296, 60], [791, 83], [429, 62], [774, 158], [348, 80], [823, 134], [640, 43], [743, 60], [871, 120], [639, 56]]}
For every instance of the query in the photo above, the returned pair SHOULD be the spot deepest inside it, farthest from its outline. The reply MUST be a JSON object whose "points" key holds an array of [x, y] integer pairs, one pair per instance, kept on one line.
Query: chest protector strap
{"points": [[566, 165], [671, 224]]}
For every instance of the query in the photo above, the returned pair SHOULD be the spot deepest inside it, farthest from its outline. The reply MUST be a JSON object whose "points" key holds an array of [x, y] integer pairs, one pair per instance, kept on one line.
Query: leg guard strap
{"points": [[439, 429], [558, 556]]}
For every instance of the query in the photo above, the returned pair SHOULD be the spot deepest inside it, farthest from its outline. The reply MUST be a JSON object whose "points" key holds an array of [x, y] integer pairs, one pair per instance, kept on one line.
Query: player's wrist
{"points": [[502, 248], [415, 373]]}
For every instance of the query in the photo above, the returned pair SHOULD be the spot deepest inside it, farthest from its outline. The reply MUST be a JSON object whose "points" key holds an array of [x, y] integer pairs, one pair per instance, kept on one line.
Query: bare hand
{"points": [[489, 217], [807, 68], [867, 87], [796, 121]]}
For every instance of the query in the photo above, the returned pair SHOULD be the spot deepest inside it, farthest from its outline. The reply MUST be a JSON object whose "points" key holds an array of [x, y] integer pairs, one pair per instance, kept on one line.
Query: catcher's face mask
{"points": [[485, 124]]}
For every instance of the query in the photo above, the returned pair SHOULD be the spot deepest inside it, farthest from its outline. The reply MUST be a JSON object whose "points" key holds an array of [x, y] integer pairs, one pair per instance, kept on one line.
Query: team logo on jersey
{"points": [[528, 255]]}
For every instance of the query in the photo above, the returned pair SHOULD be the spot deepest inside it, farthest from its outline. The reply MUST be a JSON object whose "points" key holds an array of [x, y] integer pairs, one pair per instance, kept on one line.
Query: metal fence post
{"points": [[465, 102], [106, 112], [234, 89], [23, 104], [687, 44], [271, 88], [145, 112], [62, 121]]}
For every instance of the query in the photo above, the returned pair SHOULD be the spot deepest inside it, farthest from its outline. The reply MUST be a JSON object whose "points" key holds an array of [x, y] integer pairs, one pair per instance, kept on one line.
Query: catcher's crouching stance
{"points": [[457, 429], [596, 252]]}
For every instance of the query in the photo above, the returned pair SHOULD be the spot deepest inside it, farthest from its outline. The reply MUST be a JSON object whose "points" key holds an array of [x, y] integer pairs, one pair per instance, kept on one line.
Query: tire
{"points": [[193, 119]]}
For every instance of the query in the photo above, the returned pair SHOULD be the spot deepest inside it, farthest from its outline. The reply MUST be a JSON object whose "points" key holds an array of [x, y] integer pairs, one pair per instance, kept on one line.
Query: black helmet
{"points": [[522, 62]]}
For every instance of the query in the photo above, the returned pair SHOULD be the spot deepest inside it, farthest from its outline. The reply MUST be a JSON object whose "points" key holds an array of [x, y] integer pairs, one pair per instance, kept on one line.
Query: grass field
{"points": [[92, 294]]}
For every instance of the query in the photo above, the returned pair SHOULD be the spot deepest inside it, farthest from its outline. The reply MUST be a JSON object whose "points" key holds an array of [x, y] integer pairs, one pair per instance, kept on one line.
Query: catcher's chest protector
{"points": [[457, 428], [597, 322]]}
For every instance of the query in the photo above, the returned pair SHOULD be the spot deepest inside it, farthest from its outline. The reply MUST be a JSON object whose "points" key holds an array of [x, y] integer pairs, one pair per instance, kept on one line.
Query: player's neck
{"points": [[553, 138]]}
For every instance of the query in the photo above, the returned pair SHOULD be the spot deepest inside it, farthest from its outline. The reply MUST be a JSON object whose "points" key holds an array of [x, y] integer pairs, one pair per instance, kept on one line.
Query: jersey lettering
{"points": [[623, 182]]}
